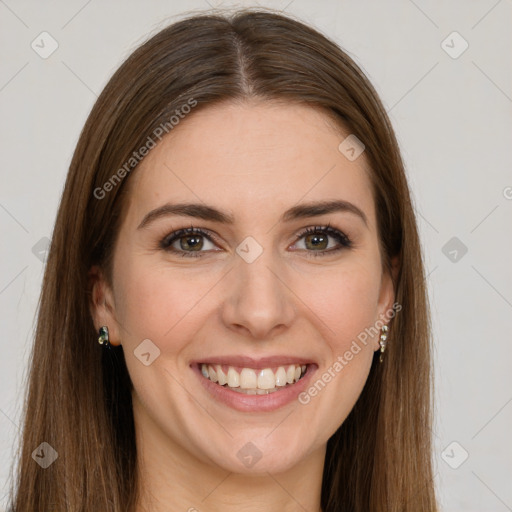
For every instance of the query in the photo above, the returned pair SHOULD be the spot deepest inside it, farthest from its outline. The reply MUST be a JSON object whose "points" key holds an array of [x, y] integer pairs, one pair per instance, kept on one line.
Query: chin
{"points": [[260, 455]]}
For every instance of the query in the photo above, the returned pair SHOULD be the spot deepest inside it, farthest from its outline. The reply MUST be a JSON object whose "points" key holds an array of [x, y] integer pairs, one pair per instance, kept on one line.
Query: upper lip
{"points": [[250, 362]]}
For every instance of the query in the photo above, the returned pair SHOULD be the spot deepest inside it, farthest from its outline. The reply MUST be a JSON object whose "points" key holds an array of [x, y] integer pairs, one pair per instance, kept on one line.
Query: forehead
{"points": [[242, 156]]}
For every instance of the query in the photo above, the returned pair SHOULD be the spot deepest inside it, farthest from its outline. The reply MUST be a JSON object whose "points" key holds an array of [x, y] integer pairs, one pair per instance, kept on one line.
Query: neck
{"points": [[171, 478]]}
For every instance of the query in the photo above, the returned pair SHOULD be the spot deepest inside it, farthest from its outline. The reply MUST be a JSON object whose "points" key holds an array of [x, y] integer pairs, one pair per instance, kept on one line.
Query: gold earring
{"points": [[383, 341]]}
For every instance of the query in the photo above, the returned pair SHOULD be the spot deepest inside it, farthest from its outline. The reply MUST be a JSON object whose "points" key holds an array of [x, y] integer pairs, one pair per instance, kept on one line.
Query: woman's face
{"points": [[250, 296]]}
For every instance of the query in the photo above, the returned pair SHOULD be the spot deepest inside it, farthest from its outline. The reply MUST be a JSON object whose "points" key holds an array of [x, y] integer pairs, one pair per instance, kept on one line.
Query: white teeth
{"points": [[281, 377], [252, 381], [221, 376], [290, 374], [233, 378], [248, 379], [266, 379], [212, 373]]}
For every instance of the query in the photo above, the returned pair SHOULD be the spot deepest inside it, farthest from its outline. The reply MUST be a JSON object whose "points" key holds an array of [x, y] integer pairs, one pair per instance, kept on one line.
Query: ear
{"points": [[102, 305], [387, 293]]}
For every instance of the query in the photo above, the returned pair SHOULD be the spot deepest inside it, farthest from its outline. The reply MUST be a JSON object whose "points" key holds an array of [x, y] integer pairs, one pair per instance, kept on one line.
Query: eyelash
{"points": [[341, 238]]}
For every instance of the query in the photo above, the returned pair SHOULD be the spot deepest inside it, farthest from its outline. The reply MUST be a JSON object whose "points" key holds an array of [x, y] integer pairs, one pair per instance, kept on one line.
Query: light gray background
{"points": [[453, 120]]}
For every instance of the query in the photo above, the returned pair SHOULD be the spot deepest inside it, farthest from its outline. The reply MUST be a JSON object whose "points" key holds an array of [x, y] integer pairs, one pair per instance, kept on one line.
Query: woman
{"points": [[237, 233]]}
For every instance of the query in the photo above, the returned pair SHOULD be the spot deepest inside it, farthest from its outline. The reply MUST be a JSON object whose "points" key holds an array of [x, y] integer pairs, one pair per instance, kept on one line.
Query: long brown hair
{"points": [[79, 396]]}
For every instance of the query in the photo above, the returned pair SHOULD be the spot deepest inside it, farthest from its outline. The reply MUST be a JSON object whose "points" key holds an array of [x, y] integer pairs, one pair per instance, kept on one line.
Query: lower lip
{"points": [[256, 403]]}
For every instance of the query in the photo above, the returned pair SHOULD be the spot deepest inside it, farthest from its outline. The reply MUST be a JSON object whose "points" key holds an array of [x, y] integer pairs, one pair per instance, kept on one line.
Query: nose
{"points": [[258, 300]]}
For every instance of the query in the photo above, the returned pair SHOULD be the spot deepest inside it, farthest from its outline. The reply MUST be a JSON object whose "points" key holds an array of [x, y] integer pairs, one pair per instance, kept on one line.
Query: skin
{"points": [[254, 160]]}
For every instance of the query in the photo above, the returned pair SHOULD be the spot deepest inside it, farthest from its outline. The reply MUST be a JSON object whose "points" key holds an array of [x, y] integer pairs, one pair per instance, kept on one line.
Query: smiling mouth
{"points": [[252, 381]]}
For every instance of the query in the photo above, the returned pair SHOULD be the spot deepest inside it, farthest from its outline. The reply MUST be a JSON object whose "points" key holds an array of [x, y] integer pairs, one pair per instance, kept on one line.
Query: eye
{"points": [[318, 240], [187, 242]]}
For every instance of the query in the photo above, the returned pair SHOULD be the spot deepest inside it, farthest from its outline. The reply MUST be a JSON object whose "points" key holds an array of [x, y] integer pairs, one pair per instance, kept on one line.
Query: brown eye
{"points": [[188, 241], [194, 243], [317, 241], [323, 240]]}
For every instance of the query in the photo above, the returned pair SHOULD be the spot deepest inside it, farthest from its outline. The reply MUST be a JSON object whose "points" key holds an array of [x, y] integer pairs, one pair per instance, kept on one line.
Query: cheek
{"points": [[345, 300], [156, 304], [153, 302], [347, 305]]}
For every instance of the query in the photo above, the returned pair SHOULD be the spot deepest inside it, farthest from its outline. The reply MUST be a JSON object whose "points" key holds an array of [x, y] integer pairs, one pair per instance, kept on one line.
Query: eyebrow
{"points": [[205, 212]]}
